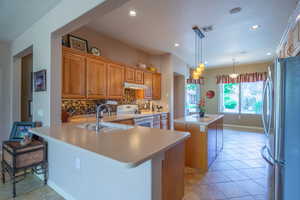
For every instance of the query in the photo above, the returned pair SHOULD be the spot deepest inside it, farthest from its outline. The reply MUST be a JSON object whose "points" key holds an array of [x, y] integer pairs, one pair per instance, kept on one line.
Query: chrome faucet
{"points": [[99, 114]]}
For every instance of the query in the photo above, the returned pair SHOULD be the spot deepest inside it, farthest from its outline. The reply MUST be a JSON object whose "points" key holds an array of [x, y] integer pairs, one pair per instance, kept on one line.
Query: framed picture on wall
{"points": [[40, 81], [78, 43]]}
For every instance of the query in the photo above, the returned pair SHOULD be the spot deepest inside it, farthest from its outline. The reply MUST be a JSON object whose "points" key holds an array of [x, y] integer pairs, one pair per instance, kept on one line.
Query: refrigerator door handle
{"points": [[270, 86], [263, 107], [262, 152]]}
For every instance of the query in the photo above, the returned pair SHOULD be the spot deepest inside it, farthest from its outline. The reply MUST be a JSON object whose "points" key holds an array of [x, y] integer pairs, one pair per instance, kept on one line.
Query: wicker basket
{"points": [[25, 156]]}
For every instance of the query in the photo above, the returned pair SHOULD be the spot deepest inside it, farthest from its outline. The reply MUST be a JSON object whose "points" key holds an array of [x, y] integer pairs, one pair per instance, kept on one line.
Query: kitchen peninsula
{"points": [[206, 139], [120, 162]]}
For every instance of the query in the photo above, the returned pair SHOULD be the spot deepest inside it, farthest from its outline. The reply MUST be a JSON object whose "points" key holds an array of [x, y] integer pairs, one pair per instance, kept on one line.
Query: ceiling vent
{"points": [[235, 10], [207, 28]]}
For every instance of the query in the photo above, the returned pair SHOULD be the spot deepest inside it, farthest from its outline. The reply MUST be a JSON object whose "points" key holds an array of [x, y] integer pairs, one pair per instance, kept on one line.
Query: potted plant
{"points": [[202, 107]]}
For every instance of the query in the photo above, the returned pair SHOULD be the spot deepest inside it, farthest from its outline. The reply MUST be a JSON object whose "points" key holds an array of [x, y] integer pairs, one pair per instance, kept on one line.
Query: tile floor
{"points": [[239, 173]]}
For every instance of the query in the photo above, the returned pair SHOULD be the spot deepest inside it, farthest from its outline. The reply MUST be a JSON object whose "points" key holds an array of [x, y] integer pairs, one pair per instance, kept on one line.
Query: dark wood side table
{"points": [[26, 159]]}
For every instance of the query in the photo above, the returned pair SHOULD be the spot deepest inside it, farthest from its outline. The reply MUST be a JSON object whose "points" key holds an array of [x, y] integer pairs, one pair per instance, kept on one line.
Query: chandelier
{"points": [[234, 75], [199, 64]]}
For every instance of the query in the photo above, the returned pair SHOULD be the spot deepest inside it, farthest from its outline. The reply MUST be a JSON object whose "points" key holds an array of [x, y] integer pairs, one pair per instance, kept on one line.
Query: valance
{"points": [[195, 81], [248, 77]]}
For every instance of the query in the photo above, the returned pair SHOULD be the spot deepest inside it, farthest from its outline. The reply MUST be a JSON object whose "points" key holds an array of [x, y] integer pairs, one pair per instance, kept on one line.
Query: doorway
{"points": [[179, 95], [26, 88]]}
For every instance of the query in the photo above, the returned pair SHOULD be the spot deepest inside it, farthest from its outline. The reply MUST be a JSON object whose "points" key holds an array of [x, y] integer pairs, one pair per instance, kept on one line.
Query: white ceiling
{"points": [[161, 23], [16, 16]]}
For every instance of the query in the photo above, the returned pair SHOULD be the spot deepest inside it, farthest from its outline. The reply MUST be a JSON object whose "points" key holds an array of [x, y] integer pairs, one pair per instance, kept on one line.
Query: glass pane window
{"points": [[251, 97], [193, 97], [230, 98], [244, 98]]}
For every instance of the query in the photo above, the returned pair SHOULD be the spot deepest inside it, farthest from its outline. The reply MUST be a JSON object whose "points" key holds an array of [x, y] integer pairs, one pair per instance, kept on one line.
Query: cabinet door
{"points": [[115, 81], [148, 83], [139, 76], [96, 78], [173, 173], [156, 93], [73, 76], [212, 143], [129, 75], [220, 135]]}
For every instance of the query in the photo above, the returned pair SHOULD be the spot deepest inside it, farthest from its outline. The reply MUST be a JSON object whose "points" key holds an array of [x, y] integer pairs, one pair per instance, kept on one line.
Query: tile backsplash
{"points": [[85, 106], [79, 107]]}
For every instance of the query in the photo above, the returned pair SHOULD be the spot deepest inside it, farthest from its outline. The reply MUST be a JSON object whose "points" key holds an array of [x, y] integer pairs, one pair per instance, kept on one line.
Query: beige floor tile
{"points": [[251, 187], [231, 189]]}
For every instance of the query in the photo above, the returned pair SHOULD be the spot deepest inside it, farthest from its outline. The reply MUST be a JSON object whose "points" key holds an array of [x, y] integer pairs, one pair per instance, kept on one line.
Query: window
{"points": [[230, 93], [244, 98], [193, 97]]}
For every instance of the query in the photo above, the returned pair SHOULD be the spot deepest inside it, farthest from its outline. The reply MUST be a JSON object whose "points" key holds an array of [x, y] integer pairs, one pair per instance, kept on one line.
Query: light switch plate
{"points": [[77, 163]]}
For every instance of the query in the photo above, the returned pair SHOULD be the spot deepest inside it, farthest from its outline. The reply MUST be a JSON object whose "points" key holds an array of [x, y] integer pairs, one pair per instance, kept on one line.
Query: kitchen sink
{"points": [[104, 126]]}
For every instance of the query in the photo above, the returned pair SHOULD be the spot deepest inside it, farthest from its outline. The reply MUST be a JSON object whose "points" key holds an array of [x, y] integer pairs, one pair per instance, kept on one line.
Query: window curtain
{"points": [[195, 81], [248, 77]]}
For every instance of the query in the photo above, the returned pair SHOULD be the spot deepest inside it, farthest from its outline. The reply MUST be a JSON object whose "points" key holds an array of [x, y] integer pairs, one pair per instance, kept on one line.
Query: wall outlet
{"points": [[77, 163], [40, 113]]}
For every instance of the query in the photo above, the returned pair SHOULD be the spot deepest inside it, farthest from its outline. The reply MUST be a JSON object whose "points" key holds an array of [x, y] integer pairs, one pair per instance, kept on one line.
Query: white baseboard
{"points": [[253, 128], [60, 191]]}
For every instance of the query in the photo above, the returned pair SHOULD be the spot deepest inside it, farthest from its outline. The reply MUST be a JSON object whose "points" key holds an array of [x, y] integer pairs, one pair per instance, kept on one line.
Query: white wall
{"points": [[179, 95], [112, 48], [171, 64], [44, 36], [4, 91]]}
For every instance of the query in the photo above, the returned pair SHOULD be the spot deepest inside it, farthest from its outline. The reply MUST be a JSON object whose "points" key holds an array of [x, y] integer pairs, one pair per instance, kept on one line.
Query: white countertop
{"points": [[195, 119], [131, 147]]}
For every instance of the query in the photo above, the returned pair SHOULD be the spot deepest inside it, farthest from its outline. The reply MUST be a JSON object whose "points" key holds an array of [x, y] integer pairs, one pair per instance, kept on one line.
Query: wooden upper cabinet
{"points": [[148, 83], [116, 77], [156, 91], [73, 76], [129, 75], [139, 76], [96, 78], [134, 75]]}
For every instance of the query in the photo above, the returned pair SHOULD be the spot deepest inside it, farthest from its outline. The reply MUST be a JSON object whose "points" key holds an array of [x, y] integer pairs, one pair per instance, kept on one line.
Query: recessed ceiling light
{"points": [[132, 13], [269, 53], [235, 10], [254, 27], [176, 45], [298, 18]]}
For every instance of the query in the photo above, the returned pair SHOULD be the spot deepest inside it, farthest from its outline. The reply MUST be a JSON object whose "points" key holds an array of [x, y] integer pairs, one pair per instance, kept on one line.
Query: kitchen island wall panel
{"points": [[93, 175]]}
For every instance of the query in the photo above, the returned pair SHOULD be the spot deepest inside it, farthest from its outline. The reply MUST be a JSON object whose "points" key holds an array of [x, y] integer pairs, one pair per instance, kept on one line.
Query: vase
{"points": [[201, 114]]}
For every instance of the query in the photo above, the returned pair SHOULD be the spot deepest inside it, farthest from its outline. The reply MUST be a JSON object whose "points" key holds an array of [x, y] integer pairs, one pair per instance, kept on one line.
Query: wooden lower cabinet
{"points": [[126, 122], [116, 79], [173, 173], [220, 135], [211, 143], [96, 78], [203, 147]]}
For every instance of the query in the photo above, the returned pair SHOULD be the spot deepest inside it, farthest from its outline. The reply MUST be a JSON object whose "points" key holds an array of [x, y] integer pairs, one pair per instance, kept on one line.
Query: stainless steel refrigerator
{"points": [[281, 120]]}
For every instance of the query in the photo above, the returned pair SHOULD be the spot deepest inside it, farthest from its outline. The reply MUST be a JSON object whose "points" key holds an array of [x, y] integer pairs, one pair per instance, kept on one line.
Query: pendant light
{"points": [[199, 66], [234, 74]]}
